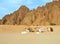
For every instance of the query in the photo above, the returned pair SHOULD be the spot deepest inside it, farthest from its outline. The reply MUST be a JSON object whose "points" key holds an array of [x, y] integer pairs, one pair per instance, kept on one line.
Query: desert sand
{"points": [[11, 35]]}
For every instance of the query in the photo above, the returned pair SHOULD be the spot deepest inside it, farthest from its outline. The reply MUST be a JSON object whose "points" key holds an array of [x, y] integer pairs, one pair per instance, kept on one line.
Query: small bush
{"points": [[52, 23]]}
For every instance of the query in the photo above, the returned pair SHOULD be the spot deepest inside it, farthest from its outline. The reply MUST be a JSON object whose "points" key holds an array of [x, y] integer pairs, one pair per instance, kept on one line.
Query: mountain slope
{"points": [[50, 13]]}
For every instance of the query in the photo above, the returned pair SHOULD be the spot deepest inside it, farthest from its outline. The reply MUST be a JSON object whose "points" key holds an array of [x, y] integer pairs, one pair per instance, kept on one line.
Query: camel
{"points": [[50, 29], [40, 29], [25, 32]]}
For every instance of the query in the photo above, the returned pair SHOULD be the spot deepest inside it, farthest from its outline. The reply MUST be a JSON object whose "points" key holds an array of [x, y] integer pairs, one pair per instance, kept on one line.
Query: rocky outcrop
{"points": [[15, 17], [41, 16], [53, 13], [0, 21]]}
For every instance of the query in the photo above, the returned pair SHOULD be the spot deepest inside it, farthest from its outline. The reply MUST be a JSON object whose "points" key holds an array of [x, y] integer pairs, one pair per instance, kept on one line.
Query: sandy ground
{"points": [[15, 37]]}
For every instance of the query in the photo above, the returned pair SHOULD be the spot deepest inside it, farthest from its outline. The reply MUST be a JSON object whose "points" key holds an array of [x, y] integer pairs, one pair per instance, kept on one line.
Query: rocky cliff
{"points": [[50, 13]]}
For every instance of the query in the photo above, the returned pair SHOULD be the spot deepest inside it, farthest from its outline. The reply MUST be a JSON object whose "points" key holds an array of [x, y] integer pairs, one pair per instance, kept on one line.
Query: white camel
{"points": [[39, 29], [25, 32], [48, 29], [42, 29]]}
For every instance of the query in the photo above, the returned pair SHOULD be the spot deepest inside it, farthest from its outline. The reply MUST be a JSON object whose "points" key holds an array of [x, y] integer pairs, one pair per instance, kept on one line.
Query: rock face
{"points": [[0, 22], [16, 17], [41, 16]]}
